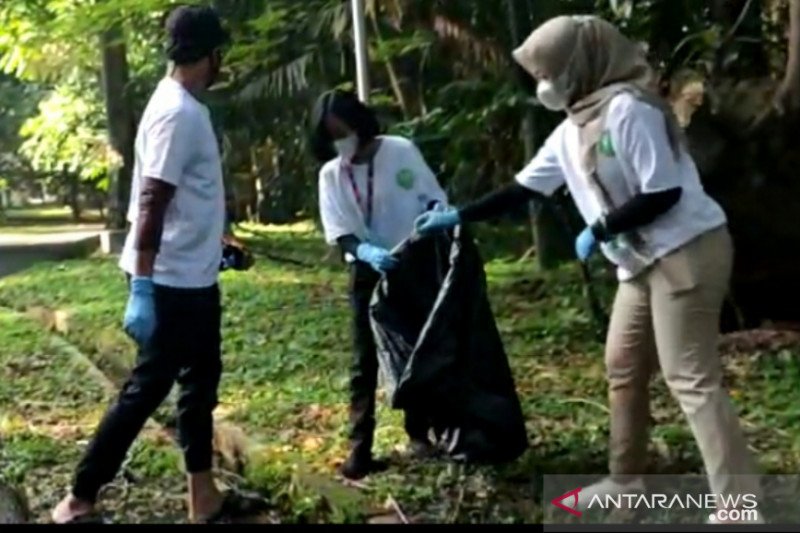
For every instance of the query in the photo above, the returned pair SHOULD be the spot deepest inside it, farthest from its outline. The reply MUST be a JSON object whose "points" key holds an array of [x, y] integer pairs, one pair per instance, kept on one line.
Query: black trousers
{"points": [[364, 369], [186, 348]]}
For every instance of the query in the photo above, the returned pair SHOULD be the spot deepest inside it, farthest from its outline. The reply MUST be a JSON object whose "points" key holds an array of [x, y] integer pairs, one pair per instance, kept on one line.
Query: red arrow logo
{"points": [[571, 510]]}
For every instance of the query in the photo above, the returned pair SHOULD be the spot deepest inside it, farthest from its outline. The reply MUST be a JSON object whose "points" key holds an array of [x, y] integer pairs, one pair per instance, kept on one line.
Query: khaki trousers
{"points": [[670, 315]]}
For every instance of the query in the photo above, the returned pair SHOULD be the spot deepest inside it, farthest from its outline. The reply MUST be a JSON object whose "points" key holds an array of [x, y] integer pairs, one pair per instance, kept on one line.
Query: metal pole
{"points": [[360, 40]]}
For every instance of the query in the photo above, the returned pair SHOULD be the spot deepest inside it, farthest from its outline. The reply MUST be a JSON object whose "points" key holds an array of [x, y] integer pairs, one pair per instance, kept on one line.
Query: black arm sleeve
{"points": [[498, 203], [349, 244], [639, 211]]}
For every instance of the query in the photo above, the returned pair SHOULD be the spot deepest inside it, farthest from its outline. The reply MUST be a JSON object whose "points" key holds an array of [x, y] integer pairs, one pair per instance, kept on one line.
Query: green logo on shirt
{"points": [[605, 145], [405, 179]]}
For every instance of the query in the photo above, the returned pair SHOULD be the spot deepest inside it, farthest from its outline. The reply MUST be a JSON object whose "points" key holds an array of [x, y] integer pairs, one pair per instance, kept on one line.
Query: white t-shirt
{"points": [[403, 187], [638, 159], [176, 143]]}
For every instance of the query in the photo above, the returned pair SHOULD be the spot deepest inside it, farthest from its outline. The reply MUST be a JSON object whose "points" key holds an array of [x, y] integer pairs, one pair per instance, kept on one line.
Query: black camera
{"points": [[235, 258]]}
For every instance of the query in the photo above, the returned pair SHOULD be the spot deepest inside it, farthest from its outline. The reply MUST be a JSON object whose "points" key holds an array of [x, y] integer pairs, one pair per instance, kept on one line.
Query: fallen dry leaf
{"points": [[312, 444]]}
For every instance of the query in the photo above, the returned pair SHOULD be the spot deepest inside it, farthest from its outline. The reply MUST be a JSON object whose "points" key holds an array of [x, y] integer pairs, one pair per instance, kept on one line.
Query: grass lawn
{"points": [[287, 351], [49, 406]]}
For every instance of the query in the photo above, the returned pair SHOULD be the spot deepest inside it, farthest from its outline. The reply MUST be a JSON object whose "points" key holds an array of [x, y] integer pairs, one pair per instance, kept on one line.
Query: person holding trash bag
{"points": [[371, 189], [172, 257], [622, 155]]}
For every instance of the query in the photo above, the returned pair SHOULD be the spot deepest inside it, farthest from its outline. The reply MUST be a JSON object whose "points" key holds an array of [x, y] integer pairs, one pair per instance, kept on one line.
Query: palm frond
{"points": [[482, 51], [285, 80], [333, 19]]}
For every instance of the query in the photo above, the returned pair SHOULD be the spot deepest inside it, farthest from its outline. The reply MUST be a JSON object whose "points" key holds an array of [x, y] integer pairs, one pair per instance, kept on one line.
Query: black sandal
{"points": [[237, 505]]}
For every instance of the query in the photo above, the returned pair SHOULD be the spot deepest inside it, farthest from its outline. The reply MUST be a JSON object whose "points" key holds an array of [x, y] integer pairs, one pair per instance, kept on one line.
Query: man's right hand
{"points": [[140, 314]]}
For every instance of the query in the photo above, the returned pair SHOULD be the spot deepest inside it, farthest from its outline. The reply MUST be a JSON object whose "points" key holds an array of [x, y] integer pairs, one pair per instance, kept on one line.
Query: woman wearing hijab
{"points": [[621, 153], [371, 189]]}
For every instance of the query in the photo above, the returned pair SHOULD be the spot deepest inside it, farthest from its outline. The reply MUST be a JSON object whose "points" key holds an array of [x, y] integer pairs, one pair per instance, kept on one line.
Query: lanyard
{"points": [[366, 209]]}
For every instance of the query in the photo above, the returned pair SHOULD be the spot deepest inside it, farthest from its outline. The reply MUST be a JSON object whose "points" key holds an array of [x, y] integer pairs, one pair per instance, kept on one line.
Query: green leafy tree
{"points": [[18, 101], [67, 149]]}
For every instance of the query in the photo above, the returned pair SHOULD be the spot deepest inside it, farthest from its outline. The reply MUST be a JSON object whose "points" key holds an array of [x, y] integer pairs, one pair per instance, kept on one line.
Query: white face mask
{"points": [[552, 94], [347, 147]]}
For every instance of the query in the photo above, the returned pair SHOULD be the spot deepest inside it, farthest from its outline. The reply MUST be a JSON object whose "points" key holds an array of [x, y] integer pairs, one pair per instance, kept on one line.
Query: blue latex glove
{"points": [[585, 244], [437, 220], [380, 259], [140, 314]]}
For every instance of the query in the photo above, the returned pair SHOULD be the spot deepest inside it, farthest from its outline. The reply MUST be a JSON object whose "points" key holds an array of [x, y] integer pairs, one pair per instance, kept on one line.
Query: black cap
{"points": [[194, 32]]}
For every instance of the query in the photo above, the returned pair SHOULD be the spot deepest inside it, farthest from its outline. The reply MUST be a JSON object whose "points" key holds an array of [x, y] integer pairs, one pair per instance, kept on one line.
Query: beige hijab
{"points": [[598, 62]]}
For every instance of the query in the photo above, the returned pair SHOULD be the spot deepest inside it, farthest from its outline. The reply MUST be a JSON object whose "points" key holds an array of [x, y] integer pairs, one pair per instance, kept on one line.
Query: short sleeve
{"points": [[335, 221], [168, 147], [544, 173], [427, 184], [639, 134]]}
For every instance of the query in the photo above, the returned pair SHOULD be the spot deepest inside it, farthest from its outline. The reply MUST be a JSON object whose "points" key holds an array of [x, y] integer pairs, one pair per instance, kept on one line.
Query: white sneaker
{"points": [[608, 487]]}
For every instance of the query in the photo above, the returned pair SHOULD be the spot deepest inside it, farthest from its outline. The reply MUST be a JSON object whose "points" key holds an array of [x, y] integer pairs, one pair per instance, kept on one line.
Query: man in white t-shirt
{"points": [[172, 256]]}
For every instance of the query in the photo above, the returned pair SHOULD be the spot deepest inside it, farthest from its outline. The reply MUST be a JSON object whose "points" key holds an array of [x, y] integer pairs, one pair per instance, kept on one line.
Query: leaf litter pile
{"points": [[283, 412]]}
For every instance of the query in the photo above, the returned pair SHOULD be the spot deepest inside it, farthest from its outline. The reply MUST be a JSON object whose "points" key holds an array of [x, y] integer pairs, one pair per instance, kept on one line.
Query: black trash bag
{"points": [[440, 351]]}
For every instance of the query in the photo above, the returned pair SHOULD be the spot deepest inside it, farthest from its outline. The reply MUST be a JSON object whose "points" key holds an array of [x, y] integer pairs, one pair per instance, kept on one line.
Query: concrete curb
{"points": [[63, 249], [15, 257]]}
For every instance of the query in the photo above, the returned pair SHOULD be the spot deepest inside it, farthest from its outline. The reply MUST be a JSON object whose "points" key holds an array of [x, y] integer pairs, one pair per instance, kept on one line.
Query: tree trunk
{"points": [[74, 196], [547, 236], [787, 100], [121, 128], [99, 201]]}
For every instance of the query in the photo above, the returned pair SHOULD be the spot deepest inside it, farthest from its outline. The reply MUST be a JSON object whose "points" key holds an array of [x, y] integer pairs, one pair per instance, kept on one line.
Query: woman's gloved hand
{"points": [[380, 259], [437, 220], [140, 313], [585, 244]]}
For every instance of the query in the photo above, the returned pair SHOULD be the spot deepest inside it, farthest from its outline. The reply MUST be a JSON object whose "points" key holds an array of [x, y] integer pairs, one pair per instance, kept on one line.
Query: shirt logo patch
{"points": [[405, 179], [606, 146]]}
